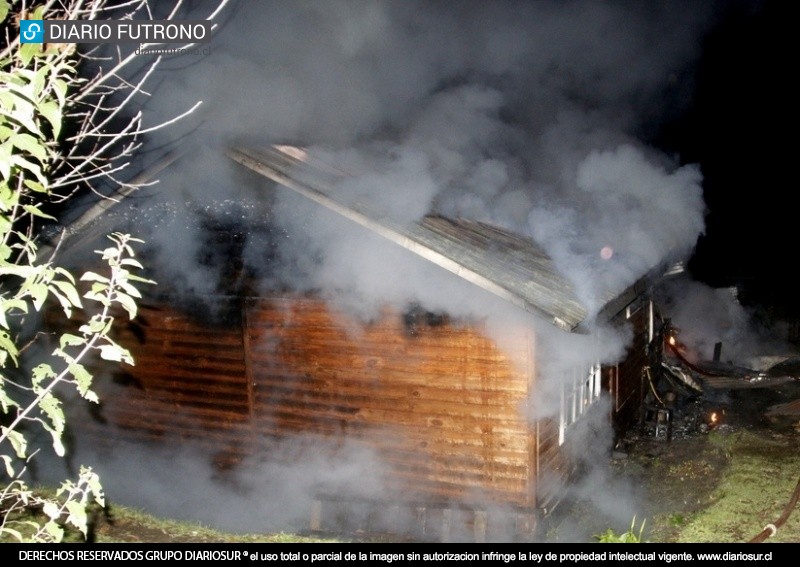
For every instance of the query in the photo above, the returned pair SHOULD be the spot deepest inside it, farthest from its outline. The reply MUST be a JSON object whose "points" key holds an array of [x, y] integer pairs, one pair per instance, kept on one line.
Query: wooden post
{"points": [[247, 304], [479, 526], [316, 516], [421, 514], [447, 519], [717, 351]]}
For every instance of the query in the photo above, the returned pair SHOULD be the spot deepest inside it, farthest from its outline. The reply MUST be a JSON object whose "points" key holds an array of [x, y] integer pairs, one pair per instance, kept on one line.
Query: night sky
{"points": [[738, 130]]}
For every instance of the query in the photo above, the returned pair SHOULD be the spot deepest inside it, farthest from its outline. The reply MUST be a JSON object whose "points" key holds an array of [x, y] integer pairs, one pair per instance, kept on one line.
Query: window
{"points": [[579, 390]]}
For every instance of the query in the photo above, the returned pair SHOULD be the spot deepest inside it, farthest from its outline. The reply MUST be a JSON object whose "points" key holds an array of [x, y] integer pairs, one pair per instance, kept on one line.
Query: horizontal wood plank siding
{"points": [[188, 382], [443, 407]]}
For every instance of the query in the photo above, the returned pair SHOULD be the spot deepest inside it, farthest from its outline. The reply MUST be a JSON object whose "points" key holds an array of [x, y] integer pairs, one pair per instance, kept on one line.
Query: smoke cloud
{"points": [[705, 316], [530, 116]]}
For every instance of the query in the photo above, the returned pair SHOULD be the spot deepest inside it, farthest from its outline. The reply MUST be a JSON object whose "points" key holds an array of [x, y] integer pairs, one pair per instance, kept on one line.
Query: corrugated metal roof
{"points": [[508, 265]]}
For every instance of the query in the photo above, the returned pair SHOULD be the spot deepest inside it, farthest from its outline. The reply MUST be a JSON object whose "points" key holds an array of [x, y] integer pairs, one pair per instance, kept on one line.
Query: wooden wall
{"points": [[440, 403], [625, 381]]}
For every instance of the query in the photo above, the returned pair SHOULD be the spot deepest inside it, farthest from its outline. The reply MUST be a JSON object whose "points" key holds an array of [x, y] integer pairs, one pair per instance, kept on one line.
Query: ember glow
{"points": [[715, 418]]}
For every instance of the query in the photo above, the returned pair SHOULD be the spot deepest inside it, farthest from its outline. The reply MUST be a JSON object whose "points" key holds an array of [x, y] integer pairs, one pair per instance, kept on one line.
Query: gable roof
{"points": [[508, 265]]}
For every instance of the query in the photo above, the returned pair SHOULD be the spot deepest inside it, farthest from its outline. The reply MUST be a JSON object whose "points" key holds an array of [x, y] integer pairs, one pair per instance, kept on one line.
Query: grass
{"points": [[724, 491], [123, 524], [753, 490], [630, 536]]}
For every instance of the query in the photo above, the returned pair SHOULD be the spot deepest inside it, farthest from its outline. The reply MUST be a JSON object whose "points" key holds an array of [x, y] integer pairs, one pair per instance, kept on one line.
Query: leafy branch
{"points": [[118, 288], [70, 121]]}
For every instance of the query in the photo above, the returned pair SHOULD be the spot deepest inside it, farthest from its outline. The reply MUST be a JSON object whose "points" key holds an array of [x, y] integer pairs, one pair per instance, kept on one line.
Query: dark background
{"points": [[739, 129]]}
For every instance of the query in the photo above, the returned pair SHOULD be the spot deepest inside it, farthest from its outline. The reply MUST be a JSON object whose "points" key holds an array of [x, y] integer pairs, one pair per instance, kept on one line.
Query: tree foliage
{"points": [[63, 130]]}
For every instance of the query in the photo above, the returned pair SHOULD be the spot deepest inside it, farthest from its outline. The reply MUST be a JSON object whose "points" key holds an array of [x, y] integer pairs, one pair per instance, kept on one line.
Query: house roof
{"points": [[508, 265]]}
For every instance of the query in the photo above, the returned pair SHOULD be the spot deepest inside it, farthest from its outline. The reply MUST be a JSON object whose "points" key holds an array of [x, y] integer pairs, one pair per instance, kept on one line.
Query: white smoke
{"points": [[525, 115], [704, 316]]}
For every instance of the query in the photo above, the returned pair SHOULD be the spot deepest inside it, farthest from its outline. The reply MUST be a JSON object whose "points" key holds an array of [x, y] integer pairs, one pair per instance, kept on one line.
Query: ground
{"points": [[722, 484]]}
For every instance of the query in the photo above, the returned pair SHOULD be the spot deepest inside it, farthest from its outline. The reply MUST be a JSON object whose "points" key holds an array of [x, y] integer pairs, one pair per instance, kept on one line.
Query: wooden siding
{"points": [[442, 405], [189, 381], [625, 381], [554, 468]]}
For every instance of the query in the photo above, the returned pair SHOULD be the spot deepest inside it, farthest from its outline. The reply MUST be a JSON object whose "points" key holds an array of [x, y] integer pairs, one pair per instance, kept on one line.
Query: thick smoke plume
{"points": [[705, 317], [526, 115], [533, 116]]}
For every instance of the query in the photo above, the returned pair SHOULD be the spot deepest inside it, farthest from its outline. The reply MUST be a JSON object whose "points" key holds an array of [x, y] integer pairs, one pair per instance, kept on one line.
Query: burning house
{"points": [[460, 429], [420, 349]]}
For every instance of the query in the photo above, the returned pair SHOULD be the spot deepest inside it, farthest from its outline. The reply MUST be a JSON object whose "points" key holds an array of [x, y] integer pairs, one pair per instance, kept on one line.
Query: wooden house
{"points": [[443, 405]]}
